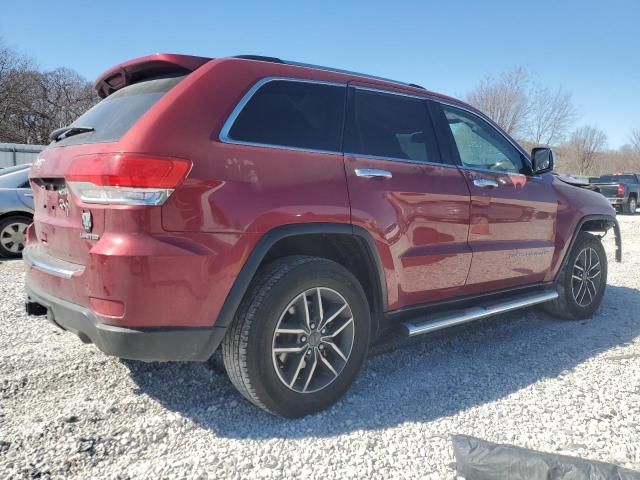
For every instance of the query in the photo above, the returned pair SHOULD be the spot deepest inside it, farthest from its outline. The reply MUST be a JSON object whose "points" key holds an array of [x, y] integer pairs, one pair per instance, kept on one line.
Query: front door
{"points": [[512, 227], [416, 206]]}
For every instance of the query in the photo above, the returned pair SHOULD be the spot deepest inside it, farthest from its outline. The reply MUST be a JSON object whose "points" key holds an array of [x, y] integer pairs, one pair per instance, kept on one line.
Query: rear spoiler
{"points": [[142, 68]]}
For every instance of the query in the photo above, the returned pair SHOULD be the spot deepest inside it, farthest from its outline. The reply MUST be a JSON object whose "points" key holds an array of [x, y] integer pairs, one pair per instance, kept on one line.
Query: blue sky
{"points": [[590, 48]]}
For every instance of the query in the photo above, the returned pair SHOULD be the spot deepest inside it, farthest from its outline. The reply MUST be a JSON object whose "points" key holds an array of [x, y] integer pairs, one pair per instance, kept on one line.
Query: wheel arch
{"points": [[16, 213], [350, 245], [594, 223]]}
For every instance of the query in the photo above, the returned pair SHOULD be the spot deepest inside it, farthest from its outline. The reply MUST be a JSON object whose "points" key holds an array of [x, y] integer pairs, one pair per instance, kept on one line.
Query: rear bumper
{"points": [[148, 344], [616, 200]]}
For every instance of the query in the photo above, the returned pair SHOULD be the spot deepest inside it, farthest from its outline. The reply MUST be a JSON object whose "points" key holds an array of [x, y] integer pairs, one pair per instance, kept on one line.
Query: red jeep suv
{"points": [[291, 214]]}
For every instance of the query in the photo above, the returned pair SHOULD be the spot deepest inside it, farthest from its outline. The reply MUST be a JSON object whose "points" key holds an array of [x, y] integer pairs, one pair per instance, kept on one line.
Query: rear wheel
{"points": [[300, 336], [582, 281], [631, 206], [13, 235]]}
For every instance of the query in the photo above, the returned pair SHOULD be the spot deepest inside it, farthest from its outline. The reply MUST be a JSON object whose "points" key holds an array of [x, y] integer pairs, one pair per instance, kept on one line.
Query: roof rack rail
{"points": [[349, 72], [262, 58]]}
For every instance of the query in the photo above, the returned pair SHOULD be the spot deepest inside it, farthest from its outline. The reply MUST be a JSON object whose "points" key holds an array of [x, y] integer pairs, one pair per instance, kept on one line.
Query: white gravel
{"points": [[68, 411]]}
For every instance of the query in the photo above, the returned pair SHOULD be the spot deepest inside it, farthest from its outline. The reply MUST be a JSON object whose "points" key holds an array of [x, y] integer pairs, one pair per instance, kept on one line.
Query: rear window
{"points": [[115, 115], [293, 114], [616, 179]]}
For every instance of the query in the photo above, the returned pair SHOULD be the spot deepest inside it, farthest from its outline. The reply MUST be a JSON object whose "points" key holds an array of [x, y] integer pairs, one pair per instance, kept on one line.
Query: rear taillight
{"points": [[126, 178], [621, 190]]}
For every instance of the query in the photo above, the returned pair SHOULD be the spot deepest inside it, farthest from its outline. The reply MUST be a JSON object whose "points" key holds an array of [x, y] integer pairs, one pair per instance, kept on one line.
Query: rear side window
{"points": [[115, 115], [293, 114], [391, 126]]}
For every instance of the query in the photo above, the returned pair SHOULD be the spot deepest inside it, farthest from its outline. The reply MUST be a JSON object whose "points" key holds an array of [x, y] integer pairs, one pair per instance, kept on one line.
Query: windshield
{"points": [[116, 114]]}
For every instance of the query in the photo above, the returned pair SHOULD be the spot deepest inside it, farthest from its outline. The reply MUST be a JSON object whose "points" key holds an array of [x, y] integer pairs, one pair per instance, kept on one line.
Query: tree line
{"points": [[535, 114], [34, 102]]}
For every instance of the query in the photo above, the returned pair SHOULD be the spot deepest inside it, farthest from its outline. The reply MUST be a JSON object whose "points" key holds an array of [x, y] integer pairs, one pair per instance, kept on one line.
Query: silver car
{"points": [[16, 209]]}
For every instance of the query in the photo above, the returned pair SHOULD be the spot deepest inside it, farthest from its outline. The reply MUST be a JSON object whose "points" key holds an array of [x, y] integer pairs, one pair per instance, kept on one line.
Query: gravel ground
{"points": [[68, 411]]}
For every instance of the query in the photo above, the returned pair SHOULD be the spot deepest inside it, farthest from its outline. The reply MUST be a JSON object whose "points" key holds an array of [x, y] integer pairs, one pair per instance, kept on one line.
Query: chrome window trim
{"points": [[489, 121], [399, 160], [488, 170], [228, 124], [389, 92]]}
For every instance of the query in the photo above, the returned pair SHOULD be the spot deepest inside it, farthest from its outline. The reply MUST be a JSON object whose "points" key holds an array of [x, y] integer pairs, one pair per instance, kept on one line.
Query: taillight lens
{"points": [[621, 190], [126, 178]]}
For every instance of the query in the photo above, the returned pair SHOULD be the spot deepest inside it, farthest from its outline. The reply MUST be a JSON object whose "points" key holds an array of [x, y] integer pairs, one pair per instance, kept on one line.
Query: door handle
{"points": [[485, 183], [28, 194], [372, 173]]}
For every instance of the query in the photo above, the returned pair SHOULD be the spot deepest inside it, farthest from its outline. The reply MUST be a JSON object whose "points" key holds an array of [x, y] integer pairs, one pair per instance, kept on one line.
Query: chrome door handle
{"points": [[372, 173], [485, 183], [28, 194]]}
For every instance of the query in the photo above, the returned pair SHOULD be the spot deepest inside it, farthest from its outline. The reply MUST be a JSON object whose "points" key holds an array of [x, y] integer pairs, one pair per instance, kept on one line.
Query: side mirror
{"points": [[542, 160]]}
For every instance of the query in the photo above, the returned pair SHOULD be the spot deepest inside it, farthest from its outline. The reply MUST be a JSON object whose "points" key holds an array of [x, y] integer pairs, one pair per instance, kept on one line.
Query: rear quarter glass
{"points": [[115, 115]]}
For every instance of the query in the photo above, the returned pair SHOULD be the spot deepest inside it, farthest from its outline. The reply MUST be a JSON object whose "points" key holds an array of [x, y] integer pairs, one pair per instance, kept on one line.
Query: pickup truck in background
{"points": [[621, 189]]}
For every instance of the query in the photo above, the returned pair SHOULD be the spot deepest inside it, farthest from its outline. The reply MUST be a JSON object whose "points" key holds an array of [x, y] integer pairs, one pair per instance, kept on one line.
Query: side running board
{"points": [[419, 326]]}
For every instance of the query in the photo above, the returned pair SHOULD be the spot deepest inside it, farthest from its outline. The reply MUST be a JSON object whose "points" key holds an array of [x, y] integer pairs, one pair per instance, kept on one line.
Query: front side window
{"points": [[479, 144], [391, 126], [293, 114]]}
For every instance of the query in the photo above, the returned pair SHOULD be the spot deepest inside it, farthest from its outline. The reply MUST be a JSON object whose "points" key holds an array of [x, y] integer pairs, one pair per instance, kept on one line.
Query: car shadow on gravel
{"points": [[419, 380]]}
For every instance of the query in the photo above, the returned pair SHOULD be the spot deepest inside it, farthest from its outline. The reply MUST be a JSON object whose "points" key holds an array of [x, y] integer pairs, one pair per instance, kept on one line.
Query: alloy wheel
{"points": [[12, 237], [586, 277], [313, 339]]}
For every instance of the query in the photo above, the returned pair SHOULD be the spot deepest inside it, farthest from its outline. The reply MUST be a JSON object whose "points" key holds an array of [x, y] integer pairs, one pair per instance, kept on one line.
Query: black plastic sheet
{"points": [[481, 460]]}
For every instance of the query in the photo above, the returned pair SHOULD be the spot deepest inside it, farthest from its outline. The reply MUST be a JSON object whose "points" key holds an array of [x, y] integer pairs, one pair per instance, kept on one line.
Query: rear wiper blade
{"points": [[64, 132]]}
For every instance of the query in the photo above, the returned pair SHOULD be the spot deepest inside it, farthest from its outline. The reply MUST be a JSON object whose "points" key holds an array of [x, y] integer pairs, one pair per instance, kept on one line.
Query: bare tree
{"points": [[585, 146], [635, 140], [33, 103], [56, 99], [551, 113], [13, 68], [504, 99]]}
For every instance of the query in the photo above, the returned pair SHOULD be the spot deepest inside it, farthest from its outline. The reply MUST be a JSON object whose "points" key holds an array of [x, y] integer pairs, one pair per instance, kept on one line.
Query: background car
{"points": [[621, 189], [16, 209]]}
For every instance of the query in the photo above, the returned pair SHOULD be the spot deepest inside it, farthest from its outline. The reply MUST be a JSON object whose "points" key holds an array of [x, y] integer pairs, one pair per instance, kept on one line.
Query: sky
{"points": [[589, 48]]}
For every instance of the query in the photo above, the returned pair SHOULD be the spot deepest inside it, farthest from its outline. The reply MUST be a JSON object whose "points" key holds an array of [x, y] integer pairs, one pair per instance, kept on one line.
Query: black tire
{"points": [[630, 207], [6, 229], [566, 306], [247, 347]]}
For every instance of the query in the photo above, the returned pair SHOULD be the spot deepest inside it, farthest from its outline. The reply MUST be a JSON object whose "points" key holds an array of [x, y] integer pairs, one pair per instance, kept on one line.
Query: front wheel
{"points": [[582, 280], [300, 336]]}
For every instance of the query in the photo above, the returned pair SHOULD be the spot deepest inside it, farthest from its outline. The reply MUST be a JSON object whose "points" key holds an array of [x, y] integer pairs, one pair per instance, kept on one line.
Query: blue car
{"points": [[16, 209]]}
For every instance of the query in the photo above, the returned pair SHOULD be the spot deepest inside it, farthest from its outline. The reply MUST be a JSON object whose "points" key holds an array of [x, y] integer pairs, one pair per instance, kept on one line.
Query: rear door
{"points": [[512, 227], [416, 206]]}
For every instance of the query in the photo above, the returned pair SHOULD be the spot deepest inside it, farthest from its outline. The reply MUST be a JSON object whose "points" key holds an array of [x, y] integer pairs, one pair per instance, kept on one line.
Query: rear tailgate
{"points": [[608, 189], [58, 219], [65, 226]]}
